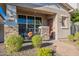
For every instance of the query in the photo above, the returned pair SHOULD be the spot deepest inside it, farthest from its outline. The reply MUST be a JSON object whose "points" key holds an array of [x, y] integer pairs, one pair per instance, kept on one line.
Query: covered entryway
{"points": [[50, 24], [1, 30], [33, 19]]}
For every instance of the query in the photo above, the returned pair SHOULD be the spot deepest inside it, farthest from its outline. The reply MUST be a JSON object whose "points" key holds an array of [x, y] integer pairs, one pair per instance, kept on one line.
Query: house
{"points": [[21, 18]]}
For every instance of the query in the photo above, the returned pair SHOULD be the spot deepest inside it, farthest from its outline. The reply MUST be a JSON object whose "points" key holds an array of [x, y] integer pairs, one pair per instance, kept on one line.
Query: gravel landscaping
{"points": [[2, 49], [62, 49], [27, 49]]}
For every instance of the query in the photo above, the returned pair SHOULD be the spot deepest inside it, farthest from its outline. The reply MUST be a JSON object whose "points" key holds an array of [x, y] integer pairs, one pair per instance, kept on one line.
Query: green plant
{"points": [[37, 41], [44, 52], [76, 37], [75, 16], [13, 43], [71, 37], [77, 43]]}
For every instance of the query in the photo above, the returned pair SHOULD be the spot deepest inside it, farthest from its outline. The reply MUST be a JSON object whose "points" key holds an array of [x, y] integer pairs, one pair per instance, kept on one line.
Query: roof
{"points": [[35, 5], [67, 6]]}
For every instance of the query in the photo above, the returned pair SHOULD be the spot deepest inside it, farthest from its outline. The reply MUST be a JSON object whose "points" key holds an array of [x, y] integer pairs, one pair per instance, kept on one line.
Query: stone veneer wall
{"points": [[63, 32], [10, 31]]}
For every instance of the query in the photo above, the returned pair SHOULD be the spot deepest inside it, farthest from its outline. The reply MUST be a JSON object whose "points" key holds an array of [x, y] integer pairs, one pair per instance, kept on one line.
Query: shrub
{"points": [[77, 43], [13, 43], [37, 41], [71, 37], [76, 36], [44, 52]]}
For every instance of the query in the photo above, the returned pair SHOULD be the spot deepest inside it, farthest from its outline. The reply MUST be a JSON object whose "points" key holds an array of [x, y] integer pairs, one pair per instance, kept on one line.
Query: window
{"points": [[64, 21], [30, 19], [38, 20], [32, 22], [38, 23], [21, 19]]}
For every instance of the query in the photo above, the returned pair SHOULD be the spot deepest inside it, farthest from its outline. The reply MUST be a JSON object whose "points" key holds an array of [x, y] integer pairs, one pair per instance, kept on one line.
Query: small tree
{"points": [[76, 36], [75, 16], [71, 37]]}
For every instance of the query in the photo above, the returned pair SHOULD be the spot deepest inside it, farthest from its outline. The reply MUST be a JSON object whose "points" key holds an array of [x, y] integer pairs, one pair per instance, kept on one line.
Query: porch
{"points": [[29, 20]]}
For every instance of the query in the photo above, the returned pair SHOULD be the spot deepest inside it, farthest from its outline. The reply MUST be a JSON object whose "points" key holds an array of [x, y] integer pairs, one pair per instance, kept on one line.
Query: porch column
{"points": [[8, 31], [55, 24]]}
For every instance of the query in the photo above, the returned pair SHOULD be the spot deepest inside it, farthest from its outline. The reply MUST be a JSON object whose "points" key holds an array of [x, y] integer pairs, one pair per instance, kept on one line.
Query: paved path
{"points": [[66, 49]]}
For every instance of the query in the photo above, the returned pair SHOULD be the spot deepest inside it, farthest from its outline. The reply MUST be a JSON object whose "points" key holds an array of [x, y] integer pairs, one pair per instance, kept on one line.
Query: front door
{"points": [[50, 24]]}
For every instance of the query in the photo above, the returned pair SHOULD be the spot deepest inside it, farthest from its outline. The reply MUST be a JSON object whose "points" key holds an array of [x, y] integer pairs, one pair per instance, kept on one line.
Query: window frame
{"points": [[32, 23], [65, 21]]}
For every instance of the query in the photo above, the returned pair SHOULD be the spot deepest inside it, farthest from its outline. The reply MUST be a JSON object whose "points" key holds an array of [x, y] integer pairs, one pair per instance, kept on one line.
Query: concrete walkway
{"points": [[65, 49]]}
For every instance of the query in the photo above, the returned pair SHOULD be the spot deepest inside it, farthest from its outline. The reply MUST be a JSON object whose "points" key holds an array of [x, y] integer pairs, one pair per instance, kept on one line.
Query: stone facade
{"points": [[10, 31], [49, 11], [44, 32]]}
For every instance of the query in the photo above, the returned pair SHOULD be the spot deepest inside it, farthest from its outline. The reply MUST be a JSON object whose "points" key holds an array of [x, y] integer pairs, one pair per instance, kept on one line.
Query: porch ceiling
{"points": [[34, 11]]}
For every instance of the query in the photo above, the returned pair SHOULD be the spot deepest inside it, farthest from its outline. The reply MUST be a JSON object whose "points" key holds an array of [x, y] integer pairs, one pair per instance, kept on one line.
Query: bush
{"points": [[71, 37], [13, 43], [44, 52], [76, 36], [77, 43], [37, 41]]}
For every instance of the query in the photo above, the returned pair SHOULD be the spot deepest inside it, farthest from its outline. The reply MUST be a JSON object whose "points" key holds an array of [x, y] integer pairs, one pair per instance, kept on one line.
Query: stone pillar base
{"points": [[10, 31]]}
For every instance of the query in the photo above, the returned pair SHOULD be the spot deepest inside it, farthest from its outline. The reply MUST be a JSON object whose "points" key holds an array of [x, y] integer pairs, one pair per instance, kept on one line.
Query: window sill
{"points": [[64, 27]]}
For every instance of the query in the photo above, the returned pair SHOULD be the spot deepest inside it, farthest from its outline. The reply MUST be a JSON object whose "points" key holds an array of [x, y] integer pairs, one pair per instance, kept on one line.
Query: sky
{"points": [[74, 5]]}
